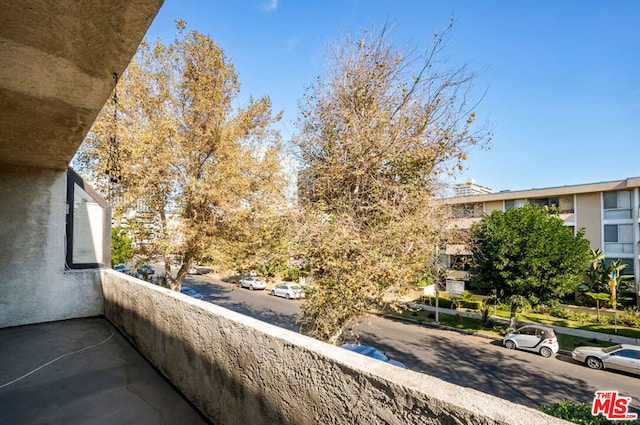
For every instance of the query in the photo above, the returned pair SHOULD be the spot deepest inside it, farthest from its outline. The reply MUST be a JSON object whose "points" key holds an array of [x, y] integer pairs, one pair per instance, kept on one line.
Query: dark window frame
{"points": [[74, 179]]}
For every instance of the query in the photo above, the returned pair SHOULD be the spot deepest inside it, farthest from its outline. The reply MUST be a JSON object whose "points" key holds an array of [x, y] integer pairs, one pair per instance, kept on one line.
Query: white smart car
{"points": [[539, 339]]}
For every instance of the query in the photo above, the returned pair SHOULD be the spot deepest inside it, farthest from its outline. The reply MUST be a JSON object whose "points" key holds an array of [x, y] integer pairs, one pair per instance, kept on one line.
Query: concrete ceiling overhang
{"points": [[57, 60]]}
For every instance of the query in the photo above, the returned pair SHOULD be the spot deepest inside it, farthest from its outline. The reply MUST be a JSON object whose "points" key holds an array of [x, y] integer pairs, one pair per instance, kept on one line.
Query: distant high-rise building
{"points": [[470, 188]]}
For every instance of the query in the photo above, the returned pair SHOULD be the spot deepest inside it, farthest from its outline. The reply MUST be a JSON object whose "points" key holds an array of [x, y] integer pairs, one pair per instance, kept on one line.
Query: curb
{"points": [[449, 328], [440, 326]]}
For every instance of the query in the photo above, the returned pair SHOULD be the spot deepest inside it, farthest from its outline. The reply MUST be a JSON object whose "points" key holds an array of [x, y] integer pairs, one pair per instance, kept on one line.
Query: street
{"points": [[465, 360]]}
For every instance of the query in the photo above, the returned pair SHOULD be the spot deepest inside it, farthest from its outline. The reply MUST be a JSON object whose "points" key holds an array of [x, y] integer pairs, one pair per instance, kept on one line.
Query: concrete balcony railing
{"points": [[238, 370]]}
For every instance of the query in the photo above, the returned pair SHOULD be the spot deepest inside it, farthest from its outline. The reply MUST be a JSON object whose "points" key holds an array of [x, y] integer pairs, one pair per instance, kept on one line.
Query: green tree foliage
{"points": [[121, 246], [376, 136], [192, 163], [527, 256]]}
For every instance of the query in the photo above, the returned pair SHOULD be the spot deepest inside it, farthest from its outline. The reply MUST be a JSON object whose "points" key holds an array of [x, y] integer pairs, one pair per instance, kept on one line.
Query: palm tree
{"points": [[599, 275]]}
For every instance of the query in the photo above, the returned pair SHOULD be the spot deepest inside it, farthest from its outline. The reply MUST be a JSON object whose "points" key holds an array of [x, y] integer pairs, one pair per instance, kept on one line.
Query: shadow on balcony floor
{"points": [[82, 372]]}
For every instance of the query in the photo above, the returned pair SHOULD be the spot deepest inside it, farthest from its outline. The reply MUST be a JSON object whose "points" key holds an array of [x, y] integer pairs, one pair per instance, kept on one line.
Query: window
{"points": [[617, 205], [628, 353], [627, 271], [88, 219], [514, 203], [618, 238], [628, 261], [546, 202]]}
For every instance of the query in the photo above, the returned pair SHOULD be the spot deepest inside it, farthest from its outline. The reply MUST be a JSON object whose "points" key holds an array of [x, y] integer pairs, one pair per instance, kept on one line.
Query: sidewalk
{"points": [[562, 330]]}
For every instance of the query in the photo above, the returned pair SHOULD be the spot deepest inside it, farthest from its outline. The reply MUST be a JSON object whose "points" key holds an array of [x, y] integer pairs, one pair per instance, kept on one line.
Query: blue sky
{"points": [[562, 78]]}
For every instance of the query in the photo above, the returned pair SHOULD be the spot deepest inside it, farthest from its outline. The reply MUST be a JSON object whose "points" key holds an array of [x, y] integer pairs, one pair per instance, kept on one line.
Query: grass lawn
{"points": [[566, 342], [454, 321], [566, 323]]}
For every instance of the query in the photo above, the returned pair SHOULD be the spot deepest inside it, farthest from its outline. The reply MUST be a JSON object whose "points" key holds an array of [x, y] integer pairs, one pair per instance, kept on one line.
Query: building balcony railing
{"points": [[236, 369]]}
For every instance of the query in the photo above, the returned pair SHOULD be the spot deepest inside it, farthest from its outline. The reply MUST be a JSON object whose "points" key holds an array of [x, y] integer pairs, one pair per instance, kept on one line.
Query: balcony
{"points": [[231, 368]]}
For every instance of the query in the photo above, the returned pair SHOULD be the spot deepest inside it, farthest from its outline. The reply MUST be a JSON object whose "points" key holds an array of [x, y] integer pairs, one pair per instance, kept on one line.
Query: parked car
{"points": [[373, 353], [289, 291], [538, 339], [191, 292], [198, 270], [252, 283], [623, 357], [146, 269], [122, 268]]}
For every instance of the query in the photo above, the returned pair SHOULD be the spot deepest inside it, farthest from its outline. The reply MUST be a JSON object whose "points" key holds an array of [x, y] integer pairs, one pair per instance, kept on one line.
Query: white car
{"points": [[539, 339], [624, 357], [252, 283], [289, 291]]}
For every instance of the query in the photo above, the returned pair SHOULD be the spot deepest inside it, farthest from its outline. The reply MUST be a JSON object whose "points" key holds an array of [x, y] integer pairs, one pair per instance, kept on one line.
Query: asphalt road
{"points": [[469, 361]]}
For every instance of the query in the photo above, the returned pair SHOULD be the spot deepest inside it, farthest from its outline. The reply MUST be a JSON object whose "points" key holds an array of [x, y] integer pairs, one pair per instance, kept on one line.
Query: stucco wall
{"points": [[34, 286], [589, 215], [493, 205], [238, 370]]}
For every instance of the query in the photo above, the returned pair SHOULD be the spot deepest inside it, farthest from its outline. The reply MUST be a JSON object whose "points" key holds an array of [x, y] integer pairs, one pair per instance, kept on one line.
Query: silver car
{"points": [[252, 283], [623, 357], [539, 339], [288, 291]]}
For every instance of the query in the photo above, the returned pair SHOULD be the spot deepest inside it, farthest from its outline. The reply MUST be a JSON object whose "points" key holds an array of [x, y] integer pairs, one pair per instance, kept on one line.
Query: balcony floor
{"points": [[82, 371]]}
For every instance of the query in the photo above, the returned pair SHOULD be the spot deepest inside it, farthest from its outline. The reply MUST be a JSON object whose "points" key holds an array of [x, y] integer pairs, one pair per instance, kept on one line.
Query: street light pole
{"points": [[437, 259]]}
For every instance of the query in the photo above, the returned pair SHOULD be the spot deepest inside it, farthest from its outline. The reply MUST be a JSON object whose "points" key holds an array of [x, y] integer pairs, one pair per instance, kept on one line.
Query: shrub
{"points": [[630, 316], [293, 275], [561, 313], [582, 318], [466, 296], [503, 307], [442, 302], [543, 309], [470, 304], [579, 413]]}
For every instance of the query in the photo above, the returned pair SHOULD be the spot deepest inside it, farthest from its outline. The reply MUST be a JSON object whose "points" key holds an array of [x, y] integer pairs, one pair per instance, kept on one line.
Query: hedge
{"points": [[442, 302]]}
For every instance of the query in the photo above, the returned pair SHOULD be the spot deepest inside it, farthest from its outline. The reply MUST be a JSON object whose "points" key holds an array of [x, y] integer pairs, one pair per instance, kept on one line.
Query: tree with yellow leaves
{"points": [[192, 165], [377, 135]]}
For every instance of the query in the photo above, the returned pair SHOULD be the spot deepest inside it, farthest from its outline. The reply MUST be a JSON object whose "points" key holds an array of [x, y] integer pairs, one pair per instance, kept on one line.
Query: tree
{"points": [[121, 246], [189, 163], [255, 242], [599, 274], [527, 255], [376, 137]]}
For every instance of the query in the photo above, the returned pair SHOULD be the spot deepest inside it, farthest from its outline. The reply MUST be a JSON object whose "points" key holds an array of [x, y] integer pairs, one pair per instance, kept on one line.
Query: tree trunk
{"points": [[176, 284], [512, 318], [598, 311], [336, 337], [182, 273]]}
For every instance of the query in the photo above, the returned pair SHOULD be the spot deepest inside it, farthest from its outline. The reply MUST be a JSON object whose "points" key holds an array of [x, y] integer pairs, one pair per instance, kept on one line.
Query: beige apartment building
{"points": [[608, 211]]}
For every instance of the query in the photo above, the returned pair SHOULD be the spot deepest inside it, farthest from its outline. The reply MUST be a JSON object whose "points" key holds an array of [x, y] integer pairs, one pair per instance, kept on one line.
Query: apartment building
{"points": [[608, 211]]}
